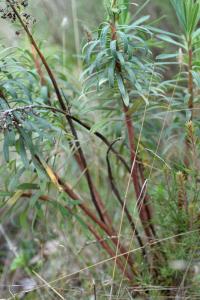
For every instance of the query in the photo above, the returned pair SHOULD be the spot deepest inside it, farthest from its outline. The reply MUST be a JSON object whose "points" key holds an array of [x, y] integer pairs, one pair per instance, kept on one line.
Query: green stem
{"points": [[190, 78], [114, 2]]}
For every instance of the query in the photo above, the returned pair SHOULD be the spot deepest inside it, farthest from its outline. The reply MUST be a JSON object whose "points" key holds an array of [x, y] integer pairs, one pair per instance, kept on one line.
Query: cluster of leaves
{"points": [[188, 13], [119, 58]]}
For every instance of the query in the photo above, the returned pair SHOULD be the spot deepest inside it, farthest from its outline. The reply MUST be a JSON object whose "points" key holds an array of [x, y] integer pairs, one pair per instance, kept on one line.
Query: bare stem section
{"points": [[144, 208]]}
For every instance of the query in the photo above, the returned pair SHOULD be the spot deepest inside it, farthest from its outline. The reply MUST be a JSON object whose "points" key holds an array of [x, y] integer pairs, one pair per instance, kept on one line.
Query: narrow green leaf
{"points": [[103, 36], [169, 39], [28, 186], [113, 48], [111, 74], [122, 89], [20, 147], [90, 51], [167, 56], [140, 21], [120, 58], [124, 40]]}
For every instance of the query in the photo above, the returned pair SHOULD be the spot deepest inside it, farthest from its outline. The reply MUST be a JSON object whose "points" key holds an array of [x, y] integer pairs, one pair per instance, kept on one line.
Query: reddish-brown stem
{"points": [[38, 67], [113, 31], [83, 166], [97, 196], [111, 252], [143, 205], [131, 136], [109, 232], [145, 195], [40, 73], [118, 196]]}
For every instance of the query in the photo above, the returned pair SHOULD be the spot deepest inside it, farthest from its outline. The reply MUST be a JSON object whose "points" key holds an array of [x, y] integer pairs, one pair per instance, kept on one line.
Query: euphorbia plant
{"points": [[119, 60], [25, 132]]}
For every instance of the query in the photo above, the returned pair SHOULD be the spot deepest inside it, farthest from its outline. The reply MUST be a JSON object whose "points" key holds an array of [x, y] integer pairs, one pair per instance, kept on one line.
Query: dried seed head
{"points": [[182, 196], [7, 12], [180, 177], [24, 3], [190, 131]]}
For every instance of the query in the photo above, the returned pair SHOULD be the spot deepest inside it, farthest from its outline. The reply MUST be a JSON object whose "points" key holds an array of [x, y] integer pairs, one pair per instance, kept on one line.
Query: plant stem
{"points": [[142, 202], [128, 215], [143, 205], [190, 78], [114, 2], [110, 251], [131, 137], [83, 166], [191, 97]]}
